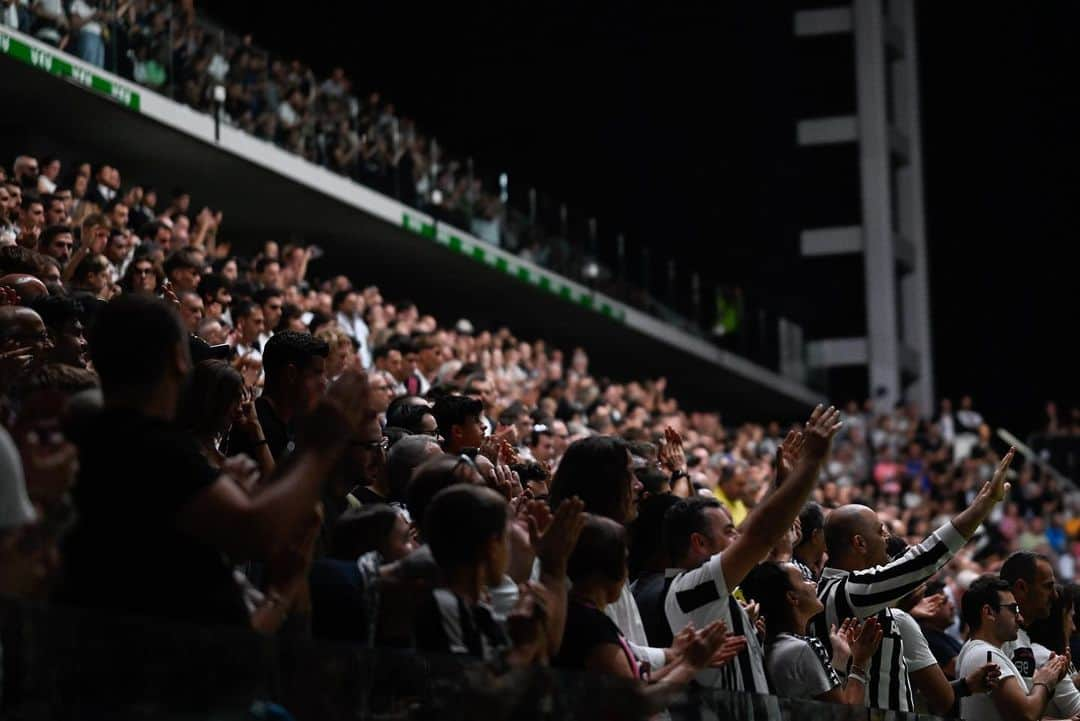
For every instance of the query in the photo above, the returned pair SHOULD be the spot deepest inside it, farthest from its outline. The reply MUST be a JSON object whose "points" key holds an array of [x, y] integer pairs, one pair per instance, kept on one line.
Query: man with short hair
{"points": [[732, 489], [172, 557], [271, 301], [210, 330], [22, 328], [63, 322], [860, 581], [31, 214], [295, 368], [248, 319], [458, 418], [710, 557], [348, 309], [191, 310], [158, 232], [480, 386], [59, 242], [55, 211], [1031, 579], [391, 358], [118, 251], [541, 444], [993, 615], [268, 273], [92, 275], [117, 213]]}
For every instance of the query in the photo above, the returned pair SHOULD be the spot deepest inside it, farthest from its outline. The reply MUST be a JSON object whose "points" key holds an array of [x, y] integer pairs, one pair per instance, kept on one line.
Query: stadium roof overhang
{"points": [[54, 104]]}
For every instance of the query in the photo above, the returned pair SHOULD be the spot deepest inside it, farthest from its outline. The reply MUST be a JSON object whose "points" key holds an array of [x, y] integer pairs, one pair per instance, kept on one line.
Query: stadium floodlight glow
{"points": [[219, 93], [591, 270]]}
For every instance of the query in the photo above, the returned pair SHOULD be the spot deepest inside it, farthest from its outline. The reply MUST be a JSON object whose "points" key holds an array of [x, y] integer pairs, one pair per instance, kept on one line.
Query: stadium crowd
{"points": [[300, 455]]}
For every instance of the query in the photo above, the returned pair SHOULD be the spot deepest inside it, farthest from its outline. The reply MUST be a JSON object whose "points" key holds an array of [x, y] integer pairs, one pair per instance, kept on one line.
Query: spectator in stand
{"points": [[248, 318], [141, 353], [295, 367], [62, 319], [1050, 637], [268, 273], [540, 444], [118, 251], [993, 616], [216, 292], [191, 310], [58, 241], [1031, 579], [142, 276], [479, 386], [348, 307], [809, 553], [92, 275], [183, 268], [270, 299], [458, 419]]}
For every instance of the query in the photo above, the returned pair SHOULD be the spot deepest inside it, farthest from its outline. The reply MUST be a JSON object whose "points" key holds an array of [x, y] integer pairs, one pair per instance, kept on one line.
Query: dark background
{"points": [[676, 126]]}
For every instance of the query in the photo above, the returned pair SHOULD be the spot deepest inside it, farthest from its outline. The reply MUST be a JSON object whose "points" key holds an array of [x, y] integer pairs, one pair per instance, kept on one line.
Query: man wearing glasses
{"points": [[991, 611]]}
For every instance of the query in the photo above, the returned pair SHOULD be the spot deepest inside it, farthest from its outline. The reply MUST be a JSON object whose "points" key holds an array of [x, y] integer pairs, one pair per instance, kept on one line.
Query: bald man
{"points": [[24, 342], [859, 581], [29, 288]]}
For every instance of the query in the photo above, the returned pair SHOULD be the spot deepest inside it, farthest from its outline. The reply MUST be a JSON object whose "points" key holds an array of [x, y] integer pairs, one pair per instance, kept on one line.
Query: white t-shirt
{"points": [[1022, 656], [917, 652], [626, 616], [799, 667], [972, 656], [1066, 700], [84, 10]]}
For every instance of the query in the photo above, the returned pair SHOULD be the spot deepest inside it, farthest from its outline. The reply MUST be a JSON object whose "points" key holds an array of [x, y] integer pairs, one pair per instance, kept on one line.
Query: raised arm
{"points": [[873, 589], [772, 518]]}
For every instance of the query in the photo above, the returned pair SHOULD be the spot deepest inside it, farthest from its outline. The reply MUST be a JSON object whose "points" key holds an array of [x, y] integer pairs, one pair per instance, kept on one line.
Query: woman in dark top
{"points": [[592, 641]]}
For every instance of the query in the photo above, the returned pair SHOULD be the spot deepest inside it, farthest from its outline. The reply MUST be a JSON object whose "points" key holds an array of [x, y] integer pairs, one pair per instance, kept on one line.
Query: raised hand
{"points": [[554, 546], [928, 607], [997, 487], [787, 455], [672, 456], [841, 640], [819, 432]]}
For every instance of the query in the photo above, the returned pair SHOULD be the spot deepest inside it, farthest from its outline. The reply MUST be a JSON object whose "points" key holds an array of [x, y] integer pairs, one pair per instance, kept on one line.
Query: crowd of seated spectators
{"points": [[297, 454]]}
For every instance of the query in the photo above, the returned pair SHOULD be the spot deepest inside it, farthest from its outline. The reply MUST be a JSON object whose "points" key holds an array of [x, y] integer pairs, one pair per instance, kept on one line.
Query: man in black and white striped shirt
{"points": [[713, 557], [859, 581]]}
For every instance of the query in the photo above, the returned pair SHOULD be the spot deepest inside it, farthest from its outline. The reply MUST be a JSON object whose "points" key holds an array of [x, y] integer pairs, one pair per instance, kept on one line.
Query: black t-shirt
{"points": [[278, 434], [942, 645], [586, 628], [126, 553], [650, 591]]}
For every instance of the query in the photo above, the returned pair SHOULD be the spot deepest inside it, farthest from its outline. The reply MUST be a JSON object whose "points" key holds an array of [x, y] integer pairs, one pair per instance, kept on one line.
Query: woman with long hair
{"points": [[1051, 635], [216, 405], [798, 665]]}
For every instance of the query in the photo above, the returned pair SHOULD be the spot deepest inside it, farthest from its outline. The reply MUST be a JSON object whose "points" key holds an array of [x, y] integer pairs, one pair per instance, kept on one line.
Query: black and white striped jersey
{"points": [[700, 597], [862, 594]]}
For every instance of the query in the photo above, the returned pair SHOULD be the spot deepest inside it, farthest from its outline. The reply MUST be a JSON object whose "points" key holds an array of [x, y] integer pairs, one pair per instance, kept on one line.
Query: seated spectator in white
{"points": [[248, 321], [993, 617]]}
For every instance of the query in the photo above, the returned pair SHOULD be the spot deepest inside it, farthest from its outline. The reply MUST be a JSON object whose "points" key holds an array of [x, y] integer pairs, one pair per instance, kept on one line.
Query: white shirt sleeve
{"points": [[917, 652], [1066, 700]]}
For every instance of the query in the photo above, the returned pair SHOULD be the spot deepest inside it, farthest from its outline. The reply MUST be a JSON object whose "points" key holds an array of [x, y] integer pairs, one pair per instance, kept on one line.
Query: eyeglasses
{"points": [[381, 444]]}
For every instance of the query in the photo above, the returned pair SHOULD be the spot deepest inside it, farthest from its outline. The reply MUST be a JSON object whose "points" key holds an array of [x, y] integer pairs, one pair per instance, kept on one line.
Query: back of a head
{"points": [[404, 458], [768, 584], [594, 469], [840, 526], [683, 519], [214, 386], [409, 417], [460, 520], [985, 589], [287, 348], [811, 518], [430, 477], [600, 551], [359, 530], [647, 531], [134, 339], [57, 312]]}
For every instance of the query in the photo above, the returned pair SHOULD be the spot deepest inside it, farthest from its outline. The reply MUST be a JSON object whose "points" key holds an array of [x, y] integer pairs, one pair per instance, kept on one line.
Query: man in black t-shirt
{"points": [[295, 367], [159, 528]]}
